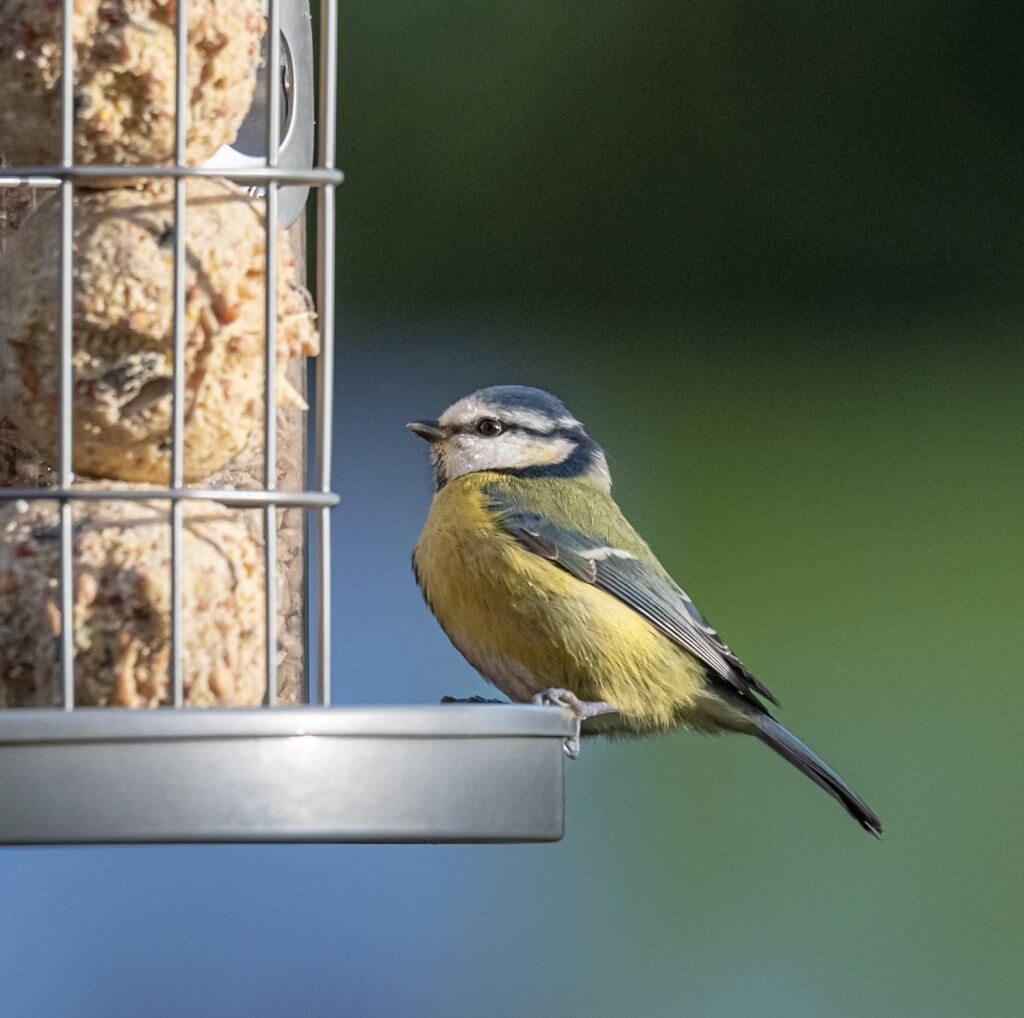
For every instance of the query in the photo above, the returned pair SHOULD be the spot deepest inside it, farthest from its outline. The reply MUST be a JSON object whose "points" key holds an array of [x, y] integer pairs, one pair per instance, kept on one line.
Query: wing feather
{"points": [[641, 585]]}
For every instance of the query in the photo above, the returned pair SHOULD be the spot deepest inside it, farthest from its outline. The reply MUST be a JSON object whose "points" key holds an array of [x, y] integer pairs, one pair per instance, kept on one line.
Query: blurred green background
{"points": [[770, 254]]}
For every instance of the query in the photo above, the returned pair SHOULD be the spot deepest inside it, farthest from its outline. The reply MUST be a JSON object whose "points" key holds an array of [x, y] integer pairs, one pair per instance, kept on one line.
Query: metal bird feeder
{"points": [[294, 768]]}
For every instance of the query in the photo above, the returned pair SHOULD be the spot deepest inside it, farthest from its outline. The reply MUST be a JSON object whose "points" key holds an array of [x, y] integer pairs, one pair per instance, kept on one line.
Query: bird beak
{"points": [[429, 430]]}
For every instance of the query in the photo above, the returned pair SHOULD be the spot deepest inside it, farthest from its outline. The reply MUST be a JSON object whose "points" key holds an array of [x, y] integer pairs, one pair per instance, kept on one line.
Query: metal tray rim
{"points": [[101, 724]]}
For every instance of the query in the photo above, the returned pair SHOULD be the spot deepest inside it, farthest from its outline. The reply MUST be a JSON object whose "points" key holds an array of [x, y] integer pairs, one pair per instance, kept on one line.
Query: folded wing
{"points": [[641, 585]]}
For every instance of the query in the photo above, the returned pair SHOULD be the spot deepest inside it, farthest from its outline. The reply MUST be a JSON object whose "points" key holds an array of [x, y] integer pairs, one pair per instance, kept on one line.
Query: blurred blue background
{"points": [[770, 254]]}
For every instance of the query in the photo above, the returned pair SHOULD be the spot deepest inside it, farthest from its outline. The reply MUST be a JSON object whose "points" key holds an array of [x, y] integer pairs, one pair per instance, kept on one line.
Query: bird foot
{"points": [[581, 710], [469, 699]]}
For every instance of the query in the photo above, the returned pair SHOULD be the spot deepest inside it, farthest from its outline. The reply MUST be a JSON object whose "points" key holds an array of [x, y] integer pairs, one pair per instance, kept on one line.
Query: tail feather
{"points": [[790, 748]]}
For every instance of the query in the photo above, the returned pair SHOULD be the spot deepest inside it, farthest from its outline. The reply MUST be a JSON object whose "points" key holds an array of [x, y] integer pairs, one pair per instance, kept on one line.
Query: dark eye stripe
{"points": [[575, 433]]}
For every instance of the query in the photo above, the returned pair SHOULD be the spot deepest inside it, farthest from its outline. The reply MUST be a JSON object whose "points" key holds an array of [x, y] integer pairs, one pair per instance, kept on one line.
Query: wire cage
{"points": [[308, 770]]}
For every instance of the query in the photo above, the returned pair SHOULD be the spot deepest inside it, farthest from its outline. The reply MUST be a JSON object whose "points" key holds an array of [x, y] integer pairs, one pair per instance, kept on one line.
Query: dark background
{"points": [[672, 157], [770, 254]]}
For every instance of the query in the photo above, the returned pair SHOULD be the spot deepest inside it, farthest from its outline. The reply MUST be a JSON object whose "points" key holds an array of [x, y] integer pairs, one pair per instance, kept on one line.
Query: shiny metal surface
{"points": [[279, 130], [178, 404], [51, 176], [319, 591], [273, 153], [65, 459], [240, 497], [368, 774]]}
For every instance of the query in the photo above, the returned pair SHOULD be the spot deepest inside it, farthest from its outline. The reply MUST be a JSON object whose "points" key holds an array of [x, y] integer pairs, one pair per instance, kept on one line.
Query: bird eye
{"points": [[489, 427]]}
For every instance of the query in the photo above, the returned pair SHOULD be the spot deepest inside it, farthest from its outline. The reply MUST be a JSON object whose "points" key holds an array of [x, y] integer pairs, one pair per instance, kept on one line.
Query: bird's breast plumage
{"points": [[527, 625]]}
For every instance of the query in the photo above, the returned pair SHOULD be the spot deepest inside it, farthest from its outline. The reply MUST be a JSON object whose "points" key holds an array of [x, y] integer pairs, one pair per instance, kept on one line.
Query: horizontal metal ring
{"points": [[226, 496], [51, 176]]}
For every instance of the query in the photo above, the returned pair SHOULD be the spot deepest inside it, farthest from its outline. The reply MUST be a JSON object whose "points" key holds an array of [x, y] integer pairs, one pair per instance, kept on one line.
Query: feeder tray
{"points": [[339, 774]]}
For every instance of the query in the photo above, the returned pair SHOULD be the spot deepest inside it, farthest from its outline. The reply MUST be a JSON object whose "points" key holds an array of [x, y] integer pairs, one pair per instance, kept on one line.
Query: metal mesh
{"points": [[317, 500]]}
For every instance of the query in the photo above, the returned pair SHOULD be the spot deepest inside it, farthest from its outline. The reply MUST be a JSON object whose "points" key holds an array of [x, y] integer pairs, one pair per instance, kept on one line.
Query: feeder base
{"points": [[309, 774]]}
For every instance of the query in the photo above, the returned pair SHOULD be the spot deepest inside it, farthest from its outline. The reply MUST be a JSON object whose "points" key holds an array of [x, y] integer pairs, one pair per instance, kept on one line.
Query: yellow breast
{"points": [[526, 624]]}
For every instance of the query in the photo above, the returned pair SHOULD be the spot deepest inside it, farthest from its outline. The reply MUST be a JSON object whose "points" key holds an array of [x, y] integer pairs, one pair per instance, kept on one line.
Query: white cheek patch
{"points": [[542, 452], [600, 554], [464, 454]]}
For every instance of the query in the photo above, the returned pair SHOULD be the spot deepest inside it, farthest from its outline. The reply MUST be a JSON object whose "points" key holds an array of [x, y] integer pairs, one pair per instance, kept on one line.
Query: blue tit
{"points": [[540, 582]]}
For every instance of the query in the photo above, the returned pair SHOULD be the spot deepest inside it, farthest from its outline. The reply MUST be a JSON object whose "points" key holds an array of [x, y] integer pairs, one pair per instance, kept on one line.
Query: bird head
{"points": [[511, 429]]}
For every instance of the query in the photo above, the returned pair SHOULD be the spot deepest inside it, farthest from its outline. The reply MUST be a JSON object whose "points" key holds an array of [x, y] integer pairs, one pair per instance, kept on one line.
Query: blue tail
{"points": [[790, 748]]}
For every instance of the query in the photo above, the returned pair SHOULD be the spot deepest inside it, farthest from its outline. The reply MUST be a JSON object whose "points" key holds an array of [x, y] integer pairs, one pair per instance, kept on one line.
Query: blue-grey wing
{"points": [[643, 587]]}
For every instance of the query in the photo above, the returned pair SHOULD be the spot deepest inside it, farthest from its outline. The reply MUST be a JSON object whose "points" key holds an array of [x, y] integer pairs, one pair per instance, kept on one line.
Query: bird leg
{"points": [[470, 699], [581, 710]]}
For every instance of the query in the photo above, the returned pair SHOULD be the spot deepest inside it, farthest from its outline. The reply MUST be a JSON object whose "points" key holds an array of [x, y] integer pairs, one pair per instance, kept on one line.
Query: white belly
{"points": [[511, 677]]}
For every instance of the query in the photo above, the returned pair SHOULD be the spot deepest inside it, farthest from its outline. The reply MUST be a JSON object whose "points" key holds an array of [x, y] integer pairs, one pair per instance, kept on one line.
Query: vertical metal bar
{"points": [[178, 399], [270, 350], [325, 366], [65, 457]]}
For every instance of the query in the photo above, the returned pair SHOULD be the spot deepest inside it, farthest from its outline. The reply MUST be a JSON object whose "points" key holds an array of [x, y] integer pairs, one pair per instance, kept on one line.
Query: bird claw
{"points": [[581, 710]]}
